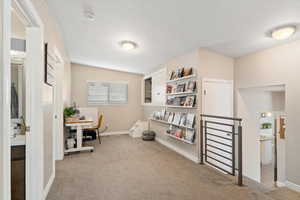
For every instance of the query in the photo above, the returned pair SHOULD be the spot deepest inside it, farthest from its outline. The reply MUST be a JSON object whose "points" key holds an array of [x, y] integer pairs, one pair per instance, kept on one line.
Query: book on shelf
{"points": [[189, 86], [183, 119], [189, 101], [171, 117], [190, 135], [176, 119], [180, 73], [166, 117], [177, 132], [190, 120]]}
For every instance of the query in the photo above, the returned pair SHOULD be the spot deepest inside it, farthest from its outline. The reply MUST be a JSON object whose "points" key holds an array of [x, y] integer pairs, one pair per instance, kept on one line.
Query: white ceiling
{"points": [[165, 29]]}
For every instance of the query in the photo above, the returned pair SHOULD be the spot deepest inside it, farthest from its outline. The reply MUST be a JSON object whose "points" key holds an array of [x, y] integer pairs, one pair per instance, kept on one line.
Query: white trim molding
{"points": [[289, 185], [185, 154], [5, 82], [292, 186], [280, 184], [115, 133], [48, 186]]}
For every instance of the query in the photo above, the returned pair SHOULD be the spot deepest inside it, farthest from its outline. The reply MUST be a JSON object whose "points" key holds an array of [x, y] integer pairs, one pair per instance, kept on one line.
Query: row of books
{"points": [[188, 135], [185, 101], [176, 118], [189, 86], [181, 72]]}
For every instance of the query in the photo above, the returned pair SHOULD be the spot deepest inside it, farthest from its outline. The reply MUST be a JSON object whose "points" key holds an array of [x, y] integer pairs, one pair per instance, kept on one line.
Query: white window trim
{"points": [[109, 82]]}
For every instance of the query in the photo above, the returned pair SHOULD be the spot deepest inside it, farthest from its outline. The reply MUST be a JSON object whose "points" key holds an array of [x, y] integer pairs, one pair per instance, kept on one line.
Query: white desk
{"points": [[79, 124]]}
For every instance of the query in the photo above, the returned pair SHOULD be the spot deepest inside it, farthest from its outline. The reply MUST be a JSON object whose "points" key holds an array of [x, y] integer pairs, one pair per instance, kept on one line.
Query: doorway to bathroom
{"points": [[263, 111], [272, 134]]}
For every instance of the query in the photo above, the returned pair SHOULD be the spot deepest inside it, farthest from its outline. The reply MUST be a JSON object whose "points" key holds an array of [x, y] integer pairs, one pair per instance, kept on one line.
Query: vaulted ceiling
{"points": [[164, 29]]}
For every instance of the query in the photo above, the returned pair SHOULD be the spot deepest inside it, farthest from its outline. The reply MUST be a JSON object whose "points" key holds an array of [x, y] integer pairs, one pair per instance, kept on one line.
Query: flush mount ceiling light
{"points": [[283, 33], [128, 45]]}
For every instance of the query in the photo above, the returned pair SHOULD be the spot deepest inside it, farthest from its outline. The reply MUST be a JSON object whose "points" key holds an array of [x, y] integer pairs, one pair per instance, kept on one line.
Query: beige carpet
{"points": [[122, 168]]}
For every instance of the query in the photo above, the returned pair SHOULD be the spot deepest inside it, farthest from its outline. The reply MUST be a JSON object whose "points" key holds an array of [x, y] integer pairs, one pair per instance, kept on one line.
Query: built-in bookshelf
{"points": [[184, 107], [180, 139], [181, 93], [168, 123], [181, 89], [182, 78]]}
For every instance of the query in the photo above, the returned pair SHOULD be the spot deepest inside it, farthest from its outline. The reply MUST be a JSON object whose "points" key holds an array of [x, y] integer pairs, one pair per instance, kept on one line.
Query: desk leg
{"points": [[79, 137], [79, 143]]}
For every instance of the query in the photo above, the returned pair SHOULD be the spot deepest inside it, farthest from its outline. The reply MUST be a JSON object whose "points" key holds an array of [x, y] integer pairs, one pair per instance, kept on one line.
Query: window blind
{"points": [[107, 93]]}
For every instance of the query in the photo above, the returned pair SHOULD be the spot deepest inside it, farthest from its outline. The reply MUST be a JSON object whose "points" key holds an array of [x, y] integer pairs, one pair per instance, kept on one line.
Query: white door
{"points": [[218, 100]]}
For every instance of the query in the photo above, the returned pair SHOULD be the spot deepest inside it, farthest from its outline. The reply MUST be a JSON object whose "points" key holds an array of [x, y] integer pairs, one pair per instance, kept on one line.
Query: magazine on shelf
{"points": [[169, 89], [171, 116], [180, 88], [176, 119], [180, 72], [190, 135], [178, 133], [188, 71], [166, 117], [191, 86], [162, 114], [189, 101], [183, 119], [190, 120]]}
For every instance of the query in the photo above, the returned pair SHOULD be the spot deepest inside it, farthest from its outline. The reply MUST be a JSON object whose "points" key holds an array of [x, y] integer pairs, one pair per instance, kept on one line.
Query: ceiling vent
{"points": [[89, 14]]}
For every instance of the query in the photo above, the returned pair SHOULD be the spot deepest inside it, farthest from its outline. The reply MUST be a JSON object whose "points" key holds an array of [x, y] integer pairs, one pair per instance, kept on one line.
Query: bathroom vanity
{"points": [[18, 155]]}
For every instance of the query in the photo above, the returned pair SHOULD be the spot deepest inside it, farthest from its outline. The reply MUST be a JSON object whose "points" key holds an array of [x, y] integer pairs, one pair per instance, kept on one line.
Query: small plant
{"points": [[266, 126], [69, 112]]}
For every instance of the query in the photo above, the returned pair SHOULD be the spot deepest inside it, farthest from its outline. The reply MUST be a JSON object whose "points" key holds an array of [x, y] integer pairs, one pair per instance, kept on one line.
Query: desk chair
{"points": [[96, 129]]}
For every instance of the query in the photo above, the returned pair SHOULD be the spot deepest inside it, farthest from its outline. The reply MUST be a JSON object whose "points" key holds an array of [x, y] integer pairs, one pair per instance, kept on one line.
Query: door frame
{"points": [[58, 135], [34, 64], [5, 82]]}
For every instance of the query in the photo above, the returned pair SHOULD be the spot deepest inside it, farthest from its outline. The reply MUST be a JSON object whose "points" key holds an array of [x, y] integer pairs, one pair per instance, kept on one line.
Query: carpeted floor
{"points": [[122, 168]]}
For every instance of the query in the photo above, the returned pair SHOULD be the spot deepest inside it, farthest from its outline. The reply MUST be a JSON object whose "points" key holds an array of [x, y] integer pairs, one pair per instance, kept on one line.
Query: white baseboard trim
{"points": [[292, 186], [115, 133], [179, 151], [280, 184], [48, 186]]}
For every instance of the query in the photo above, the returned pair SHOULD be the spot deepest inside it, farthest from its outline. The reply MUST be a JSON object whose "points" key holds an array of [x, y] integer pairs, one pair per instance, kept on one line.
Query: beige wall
{"points": [[118, 117], [276, 66], [17, 28], [206, 64]]}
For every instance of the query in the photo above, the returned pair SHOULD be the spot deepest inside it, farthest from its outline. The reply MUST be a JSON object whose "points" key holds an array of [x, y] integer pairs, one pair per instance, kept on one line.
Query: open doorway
{"points": [[18, 108], [272, 135], [263, 111], [25, 81]]}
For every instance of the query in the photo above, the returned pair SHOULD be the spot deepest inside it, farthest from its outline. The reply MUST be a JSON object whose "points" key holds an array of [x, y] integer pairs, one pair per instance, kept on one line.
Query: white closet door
{"points": [[218, 100]]}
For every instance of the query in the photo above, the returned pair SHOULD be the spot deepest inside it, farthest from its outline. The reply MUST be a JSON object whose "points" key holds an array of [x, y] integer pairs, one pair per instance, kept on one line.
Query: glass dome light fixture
{"points": [[283, 32], [128, 45]]}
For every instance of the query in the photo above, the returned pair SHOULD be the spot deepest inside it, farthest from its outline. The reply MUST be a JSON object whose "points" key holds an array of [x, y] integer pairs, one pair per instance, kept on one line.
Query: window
{"points": [[148, 90], [107, 93]]}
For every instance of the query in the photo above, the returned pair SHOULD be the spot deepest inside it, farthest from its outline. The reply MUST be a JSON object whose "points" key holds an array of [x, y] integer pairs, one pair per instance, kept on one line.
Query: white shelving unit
{"points": [[180, 139], [183, 107], [168, 123], [182, 79], [181, 93]]}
